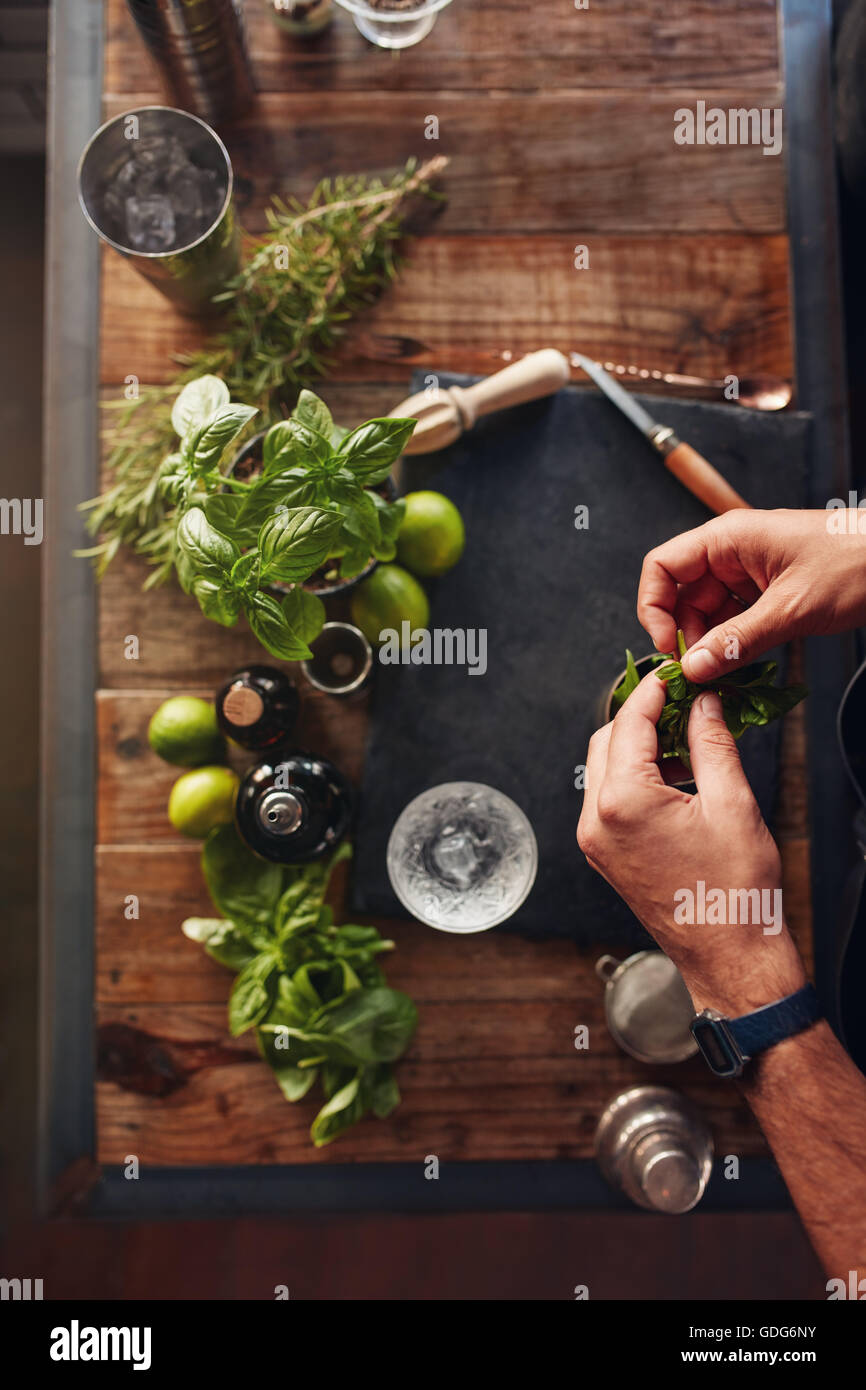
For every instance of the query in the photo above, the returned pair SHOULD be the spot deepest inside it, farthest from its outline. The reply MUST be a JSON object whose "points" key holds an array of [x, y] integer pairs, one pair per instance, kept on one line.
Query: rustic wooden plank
{"points": [[502, 1081], [577, 162], [707, 305], [507, 44], [149, 960]]}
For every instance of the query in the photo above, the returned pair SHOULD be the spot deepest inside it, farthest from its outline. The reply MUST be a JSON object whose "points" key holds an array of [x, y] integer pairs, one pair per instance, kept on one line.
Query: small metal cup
{"points": [[342, 660], [191, 274], [655, 1147], [647, 1006]]}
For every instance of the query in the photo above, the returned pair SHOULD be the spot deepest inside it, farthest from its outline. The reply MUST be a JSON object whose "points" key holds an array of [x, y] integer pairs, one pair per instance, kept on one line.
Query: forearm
{"points": [[810, 1101], [806, 1094]]}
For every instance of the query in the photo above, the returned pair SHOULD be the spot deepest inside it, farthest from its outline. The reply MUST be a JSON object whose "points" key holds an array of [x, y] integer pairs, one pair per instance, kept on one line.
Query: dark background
{"points": [[471, 1256]]}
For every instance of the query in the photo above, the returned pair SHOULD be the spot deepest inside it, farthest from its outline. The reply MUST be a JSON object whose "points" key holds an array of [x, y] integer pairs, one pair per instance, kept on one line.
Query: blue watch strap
{"points": [[773, 1023]]}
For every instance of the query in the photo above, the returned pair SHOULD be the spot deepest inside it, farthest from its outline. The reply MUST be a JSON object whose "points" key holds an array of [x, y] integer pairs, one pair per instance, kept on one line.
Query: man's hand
{"points": [[749, 580], [650, 841]]}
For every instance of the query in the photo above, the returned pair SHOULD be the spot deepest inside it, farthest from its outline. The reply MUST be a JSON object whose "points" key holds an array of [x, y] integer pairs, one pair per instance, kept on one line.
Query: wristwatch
{"points": [[729, 1043]]}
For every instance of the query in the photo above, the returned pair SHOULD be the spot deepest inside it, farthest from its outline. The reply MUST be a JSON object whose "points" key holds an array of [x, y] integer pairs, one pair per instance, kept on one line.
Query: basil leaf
{"points": [[373, 448], [361, 519], [281, 447], [207, 550], [245, 572], [252, 994], [391, 515], [338, 1114], [355, 558], [629, 682], [304, 613], [204, 447], [217, 601], [312, 411], [315, 447], [243, 887], [221, 939], [293, 544], [379, 1090], [197, 402], [268, 621], [372, 1025]]}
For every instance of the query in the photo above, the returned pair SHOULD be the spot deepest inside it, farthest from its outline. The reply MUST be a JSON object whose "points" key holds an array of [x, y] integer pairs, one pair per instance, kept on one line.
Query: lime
{"points": [[389, 598], [432, 535], [184, 731], [202, 799]]}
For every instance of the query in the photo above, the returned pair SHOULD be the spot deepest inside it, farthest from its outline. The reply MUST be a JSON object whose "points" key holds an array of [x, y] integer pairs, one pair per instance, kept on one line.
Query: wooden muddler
{"points": [[445, 412]]}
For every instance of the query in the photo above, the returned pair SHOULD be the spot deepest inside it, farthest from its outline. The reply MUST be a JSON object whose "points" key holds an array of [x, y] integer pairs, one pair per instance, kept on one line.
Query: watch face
{"points": [[718, 1047]]}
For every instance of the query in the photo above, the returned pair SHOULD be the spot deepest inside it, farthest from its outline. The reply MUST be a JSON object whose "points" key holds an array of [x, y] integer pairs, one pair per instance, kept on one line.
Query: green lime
{"points": [[202, 799], [432, 535], [184, 731], [389, 598]]}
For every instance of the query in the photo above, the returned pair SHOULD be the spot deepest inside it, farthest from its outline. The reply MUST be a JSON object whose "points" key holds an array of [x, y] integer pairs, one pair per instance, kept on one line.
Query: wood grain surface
{"points": [[511, 44], [559, 126]]}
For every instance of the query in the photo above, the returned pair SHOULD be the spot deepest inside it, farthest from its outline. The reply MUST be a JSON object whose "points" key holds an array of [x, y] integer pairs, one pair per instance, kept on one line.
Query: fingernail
{"points": [[699, 665], [709, 704]]}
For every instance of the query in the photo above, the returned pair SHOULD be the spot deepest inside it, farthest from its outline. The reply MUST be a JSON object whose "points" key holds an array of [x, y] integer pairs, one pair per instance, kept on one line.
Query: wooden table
{"points": [[559, 128]]}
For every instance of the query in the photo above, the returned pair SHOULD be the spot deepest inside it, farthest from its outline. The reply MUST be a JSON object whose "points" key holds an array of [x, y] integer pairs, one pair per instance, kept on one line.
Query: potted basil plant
{"points": [[246, 545]]}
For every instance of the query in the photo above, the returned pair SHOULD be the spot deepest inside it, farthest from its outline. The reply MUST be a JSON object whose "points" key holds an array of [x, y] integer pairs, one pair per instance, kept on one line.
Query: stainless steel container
{"points": [[342, 660], [189, 273], [655, 1147], [200, 50], [647, 1006]]}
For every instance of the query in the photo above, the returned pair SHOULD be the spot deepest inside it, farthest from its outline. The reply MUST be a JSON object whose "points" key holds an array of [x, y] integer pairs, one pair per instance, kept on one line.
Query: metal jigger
{"points": [[655, 1147]]}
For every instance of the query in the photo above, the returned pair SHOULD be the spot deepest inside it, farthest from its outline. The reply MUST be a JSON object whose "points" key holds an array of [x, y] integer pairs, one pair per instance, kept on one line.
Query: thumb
{"points": [[739, 640], [715, 761]]}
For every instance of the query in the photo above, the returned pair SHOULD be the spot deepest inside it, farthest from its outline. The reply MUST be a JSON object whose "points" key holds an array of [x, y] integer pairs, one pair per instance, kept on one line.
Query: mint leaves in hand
{"points": [[749, 699]]}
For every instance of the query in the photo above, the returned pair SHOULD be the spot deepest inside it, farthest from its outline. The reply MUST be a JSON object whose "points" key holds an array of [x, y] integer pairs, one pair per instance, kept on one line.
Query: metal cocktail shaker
{"points": [[655, 1147], [186, 160], [200, 50]]}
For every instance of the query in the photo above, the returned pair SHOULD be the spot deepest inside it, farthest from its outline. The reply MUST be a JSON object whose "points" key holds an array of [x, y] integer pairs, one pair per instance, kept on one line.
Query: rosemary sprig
{"points": [[317, 266]]}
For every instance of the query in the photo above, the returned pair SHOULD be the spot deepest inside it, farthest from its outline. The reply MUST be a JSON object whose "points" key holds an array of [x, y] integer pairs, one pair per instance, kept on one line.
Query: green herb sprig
{"points": [[317, 266], [314, 991], [749, 698]]}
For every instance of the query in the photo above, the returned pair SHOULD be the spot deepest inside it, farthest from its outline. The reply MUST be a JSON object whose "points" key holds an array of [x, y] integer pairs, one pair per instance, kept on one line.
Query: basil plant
{"points": [[246, 546]]}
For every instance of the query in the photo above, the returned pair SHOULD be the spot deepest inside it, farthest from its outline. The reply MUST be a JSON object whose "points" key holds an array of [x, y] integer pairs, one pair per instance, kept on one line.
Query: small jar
{"points": [[301, 18]]}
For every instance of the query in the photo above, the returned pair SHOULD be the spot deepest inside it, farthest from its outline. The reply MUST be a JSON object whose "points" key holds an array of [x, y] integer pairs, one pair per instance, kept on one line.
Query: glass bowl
{"points": [[394, 28]]}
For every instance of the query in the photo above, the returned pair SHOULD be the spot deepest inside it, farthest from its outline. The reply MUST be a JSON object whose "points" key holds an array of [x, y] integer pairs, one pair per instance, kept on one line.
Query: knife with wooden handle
{"points": [[686, 464]]}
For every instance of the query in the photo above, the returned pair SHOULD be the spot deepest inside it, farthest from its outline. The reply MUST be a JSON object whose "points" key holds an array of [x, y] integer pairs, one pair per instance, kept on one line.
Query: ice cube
{"points": [[182, 189], [150, 224]]}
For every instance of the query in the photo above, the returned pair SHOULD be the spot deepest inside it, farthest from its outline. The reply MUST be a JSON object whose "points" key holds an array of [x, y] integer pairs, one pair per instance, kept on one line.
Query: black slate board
{"points": [[559, 608]]}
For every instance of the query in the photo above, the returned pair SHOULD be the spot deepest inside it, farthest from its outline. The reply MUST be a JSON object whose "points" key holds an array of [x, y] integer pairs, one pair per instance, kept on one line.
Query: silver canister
{"points": [[159, 177], [655, 1147], [200, 50], [647, 1006], [342, 660]]}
